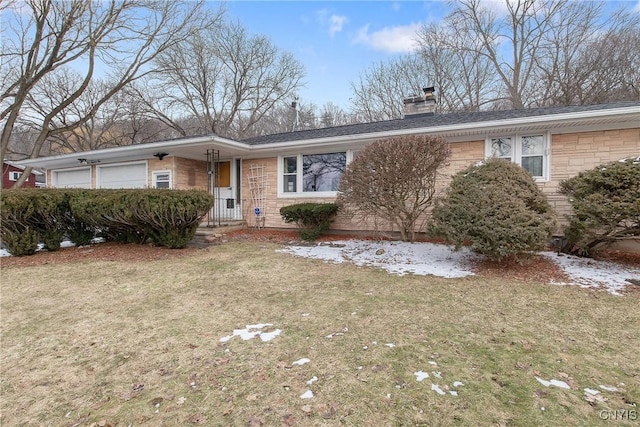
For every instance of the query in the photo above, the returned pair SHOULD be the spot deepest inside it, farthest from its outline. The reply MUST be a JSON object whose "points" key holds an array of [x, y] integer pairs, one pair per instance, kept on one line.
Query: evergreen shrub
{"points": [[497, 207], [606, 205], [312, 219]]}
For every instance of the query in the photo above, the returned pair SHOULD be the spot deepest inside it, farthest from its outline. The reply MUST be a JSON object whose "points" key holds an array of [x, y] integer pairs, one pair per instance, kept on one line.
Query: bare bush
{"points": [[394, 179]]}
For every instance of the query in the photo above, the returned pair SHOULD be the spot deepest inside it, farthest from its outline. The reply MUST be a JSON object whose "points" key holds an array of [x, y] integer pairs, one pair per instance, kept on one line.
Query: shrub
{"points": [[394, 180], [312, 219], [170, 217], [109, 213], [498, 208], [78, 231], [17, 218], [606, 205], [49, 209]]}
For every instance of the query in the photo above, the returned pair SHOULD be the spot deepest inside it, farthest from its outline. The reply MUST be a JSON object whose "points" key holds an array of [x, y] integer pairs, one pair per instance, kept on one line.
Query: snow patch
{"points": [[306, 395], [437, 389], [609, 388], [555, 383], [301, 362], [64, 244], [439, 260], [591, 391], [590, 273], [458, 383], [312, 380], [398, 257], [420, 376], [252, 331]]}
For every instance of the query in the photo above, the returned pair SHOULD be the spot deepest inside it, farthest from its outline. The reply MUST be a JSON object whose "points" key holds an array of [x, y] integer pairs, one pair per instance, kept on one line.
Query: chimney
{"points": [[416, 106]]}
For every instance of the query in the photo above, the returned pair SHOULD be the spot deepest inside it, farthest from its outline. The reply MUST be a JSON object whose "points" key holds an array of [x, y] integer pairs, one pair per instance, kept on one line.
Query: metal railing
{"points": [[224, 211]]}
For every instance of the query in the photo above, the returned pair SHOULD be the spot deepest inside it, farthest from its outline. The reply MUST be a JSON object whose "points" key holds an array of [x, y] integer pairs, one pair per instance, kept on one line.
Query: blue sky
{"points": [[336, 40]]}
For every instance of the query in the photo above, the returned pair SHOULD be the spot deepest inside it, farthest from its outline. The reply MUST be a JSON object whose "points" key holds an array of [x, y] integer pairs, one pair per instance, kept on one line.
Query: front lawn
{"points": [[128, 343]]}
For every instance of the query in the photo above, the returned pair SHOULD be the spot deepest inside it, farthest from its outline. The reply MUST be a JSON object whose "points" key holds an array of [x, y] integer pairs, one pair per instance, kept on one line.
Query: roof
{"points": [[453, 126], [431, 121], [21, 167]]}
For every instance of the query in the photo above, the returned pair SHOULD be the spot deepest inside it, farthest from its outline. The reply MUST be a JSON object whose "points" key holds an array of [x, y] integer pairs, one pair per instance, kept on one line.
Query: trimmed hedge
{"points": [[312, 219], [167, 217], [497, 206]]}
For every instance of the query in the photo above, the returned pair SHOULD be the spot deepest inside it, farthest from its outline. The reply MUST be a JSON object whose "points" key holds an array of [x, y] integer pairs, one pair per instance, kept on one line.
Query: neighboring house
{"points": [[259, 175], [11, 172]]}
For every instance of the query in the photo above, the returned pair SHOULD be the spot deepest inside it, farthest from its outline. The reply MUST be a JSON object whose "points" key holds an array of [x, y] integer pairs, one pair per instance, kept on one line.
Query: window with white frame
{"points": [[14, 176], [162, 179], [529, 151], [311, 173]]}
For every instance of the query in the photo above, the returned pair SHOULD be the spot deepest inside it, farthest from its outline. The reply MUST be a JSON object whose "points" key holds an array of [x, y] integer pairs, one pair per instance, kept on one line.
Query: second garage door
{"points": [[132, 175]]}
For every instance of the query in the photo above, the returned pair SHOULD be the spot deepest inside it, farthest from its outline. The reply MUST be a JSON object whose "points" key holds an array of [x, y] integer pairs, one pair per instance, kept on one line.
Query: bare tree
{"points": [[121, 37], [333, 115], [464, 79], [511, 54], [379, 91], [588, 59], [225, 79], [394, 179], [510, 42]]}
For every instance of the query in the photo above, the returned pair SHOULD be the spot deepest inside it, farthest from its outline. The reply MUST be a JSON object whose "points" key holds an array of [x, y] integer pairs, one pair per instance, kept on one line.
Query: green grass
{"points": [[138, 344]]}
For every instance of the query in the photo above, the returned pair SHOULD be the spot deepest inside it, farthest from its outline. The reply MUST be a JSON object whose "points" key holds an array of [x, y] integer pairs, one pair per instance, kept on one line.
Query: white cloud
{"points": [[396, 6], [336, 22], [636, 8], [398, 39]]}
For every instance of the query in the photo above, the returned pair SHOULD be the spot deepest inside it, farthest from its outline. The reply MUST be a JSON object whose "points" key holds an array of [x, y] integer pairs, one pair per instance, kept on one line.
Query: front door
{"points": [[227, 204]]}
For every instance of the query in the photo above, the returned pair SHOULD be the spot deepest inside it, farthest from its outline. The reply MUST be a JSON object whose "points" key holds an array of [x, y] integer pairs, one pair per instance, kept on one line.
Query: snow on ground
{"points": [[439, 260], [395, 257], [251, 331], [589, 273], [63, 244]]}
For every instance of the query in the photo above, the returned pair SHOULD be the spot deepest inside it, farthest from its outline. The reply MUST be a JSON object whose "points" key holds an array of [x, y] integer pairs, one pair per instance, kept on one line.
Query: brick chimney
{"points": [[425, 105]]}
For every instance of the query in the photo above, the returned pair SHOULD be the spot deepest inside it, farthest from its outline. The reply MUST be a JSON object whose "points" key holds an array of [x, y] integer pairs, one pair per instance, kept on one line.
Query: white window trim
{"points": [[144, 162], [516, 155], [14, 175], [154, 177], [302, 194], [54, 175]]}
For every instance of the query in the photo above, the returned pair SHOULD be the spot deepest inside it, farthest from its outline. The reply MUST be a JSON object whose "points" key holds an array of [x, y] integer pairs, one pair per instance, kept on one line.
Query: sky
{"points": [[337, 40]]}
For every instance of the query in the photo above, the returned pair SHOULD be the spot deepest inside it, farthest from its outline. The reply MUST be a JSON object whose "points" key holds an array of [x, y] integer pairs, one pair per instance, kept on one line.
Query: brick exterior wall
{"points": [[462, 155], [186, 174], [570, 154], [576, 152]]}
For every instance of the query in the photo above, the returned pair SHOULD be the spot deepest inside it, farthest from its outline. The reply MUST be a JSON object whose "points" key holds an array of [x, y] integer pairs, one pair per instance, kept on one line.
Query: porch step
{"points": [[206, 236]]}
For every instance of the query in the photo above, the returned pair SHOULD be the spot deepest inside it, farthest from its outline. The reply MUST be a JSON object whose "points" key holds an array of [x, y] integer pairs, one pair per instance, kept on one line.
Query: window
{"points": [[529, 151], [223, 174], [14, 176], [290, 174], [162, 179], [312, 173]]}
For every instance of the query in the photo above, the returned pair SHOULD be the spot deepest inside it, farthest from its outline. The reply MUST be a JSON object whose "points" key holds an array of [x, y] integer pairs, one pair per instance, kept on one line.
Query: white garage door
{"points": [[122, 176], [77, 178]]}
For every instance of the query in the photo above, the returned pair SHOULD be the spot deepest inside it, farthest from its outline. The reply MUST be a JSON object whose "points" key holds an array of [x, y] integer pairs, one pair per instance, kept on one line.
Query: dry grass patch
{"points": [[138, 343]]}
